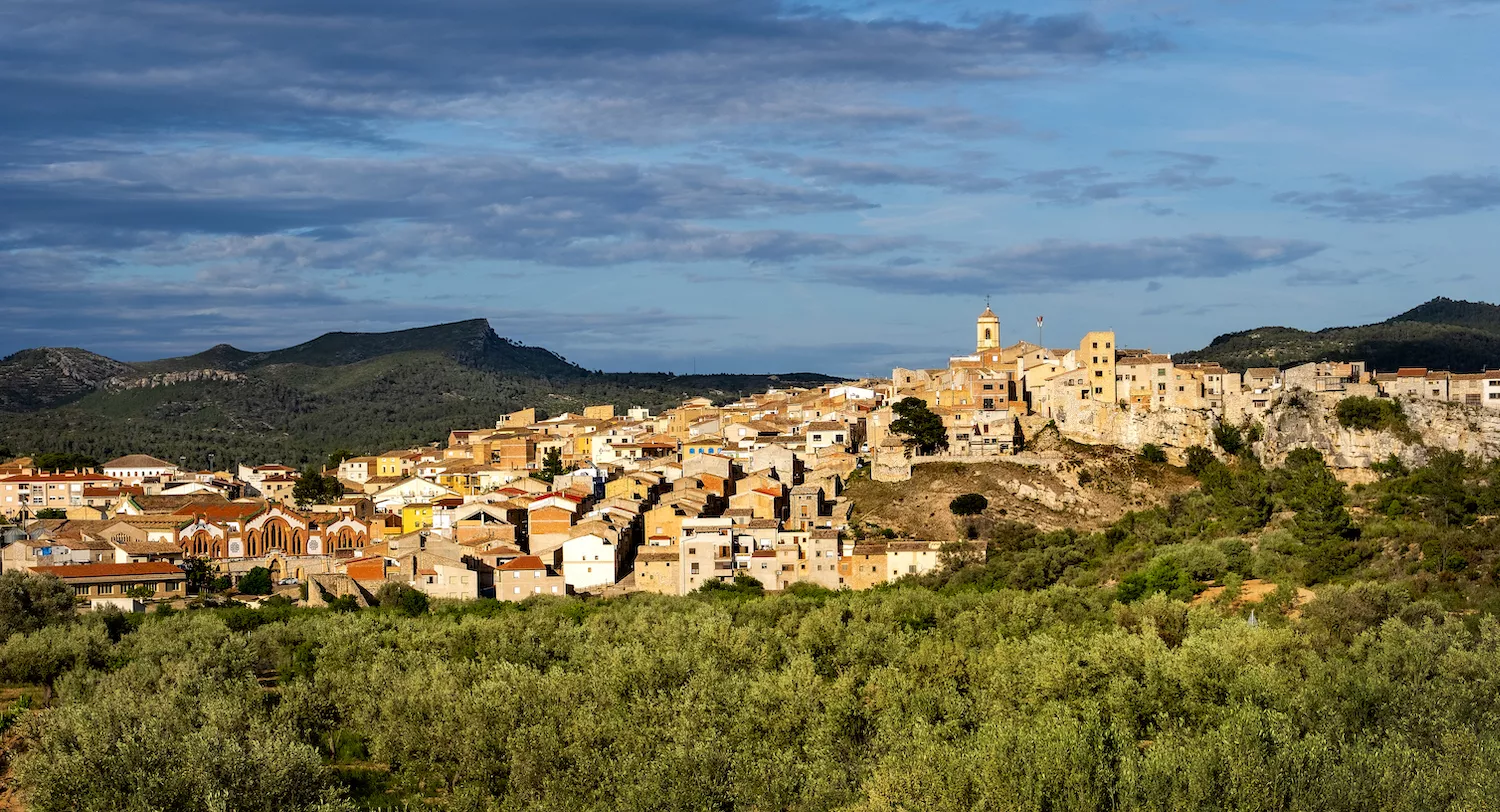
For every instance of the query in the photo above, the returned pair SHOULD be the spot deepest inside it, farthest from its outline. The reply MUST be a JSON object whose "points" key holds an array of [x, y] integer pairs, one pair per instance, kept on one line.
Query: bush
{"points": [[1151, 452], [1362, 413], [405, 599], [256, 582], [1229, 438], [1162, 576], [969, 504], [1198, 460], [344, 604], [29, 602]]}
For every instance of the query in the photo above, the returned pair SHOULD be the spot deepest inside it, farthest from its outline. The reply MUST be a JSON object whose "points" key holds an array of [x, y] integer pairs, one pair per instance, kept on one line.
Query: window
{"points": [[105, 589], [1098, 373], [518, 591], [693, 570]]}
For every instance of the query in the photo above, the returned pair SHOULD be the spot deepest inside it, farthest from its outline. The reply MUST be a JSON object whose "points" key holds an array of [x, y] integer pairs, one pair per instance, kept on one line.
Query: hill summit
{"points": [[473, 343], [1449, 334]]}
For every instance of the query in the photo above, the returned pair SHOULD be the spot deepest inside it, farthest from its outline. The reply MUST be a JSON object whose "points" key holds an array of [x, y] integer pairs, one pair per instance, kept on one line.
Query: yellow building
{"points": [[1096, 352], [416, 516]]}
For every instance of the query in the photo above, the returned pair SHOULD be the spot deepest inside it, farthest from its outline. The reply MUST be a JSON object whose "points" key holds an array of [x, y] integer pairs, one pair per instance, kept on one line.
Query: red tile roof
{"points": [[525, 562], [109, 570]]}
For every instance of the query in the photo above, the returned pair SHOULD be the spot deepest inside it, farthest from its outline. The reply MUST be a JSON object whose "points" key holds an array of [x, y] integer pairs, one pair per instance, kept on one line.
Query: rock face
{"points": [[1292, 421], [170, 378], [1288, 425], [50, 376]]}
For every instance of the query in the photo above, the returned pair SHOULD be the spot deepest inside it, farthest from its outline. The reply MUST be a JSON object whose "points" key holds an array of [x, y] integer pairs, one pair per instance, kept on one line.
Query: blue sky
{"points": [[738, 185]]}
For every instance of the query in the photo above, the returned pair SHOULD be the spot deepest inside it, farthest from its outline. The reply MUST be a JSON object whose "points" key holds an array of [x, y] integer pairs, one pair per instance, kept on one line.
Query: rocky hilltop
{"points": [[1449, 334], [1299, 420], [48, 376]]}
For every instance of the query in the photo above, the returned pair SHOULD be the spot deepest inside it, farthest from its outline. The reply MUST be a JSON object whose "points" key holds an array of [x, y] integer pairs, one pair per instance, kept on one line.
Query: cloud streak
{"points": [[1441, 195], [1065, 264]]}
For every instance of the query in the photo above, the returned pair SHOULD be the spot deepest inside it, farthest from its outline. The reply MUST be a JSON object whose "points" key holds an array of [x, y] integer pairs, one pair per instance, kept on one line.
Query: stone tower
{"points": [[987, 330]]}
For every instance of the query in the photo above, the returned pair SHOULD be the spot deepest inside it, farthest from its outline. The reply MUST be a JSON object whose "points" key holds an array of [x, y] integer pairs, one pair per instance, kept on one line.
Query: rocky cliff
{"points": [[49, 376], [1289, 422]]}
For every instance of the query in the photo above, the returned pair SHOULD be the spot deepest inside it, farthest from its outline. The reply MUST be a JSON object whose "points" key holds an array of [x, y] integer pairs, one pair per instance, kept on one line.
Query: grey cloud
{"points": [[874, 173], [1432, 196], [1064, 264], [1307, 277], [329, 69], [1077, 186], [386, 214]]}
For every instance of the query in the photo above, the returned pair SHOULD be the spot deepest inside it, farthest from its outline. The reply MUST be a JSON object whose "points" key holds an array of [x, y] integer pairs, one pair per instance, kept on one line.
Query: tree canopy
{"points": [[919, 427]]}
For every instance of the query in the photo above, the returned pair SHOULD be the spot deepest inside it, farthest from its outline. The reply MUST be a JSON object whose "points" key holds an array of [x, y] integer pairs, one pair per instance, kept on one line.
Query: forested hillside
{"points": [[1442, 334], [361, 392]]}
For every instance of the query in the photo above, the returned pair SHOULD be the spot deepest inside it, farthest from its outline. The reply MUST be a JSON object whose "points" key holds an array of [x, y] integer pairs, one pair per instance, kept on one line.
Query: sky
{"points": [[739, 185]]}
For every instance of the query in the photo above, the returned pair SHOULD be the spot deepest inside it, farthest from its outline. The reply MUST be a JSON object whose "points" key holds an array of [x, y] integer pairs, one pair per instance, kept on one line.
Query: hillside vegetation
{"points": [[362, 392], [899, 699], [1066, 672], [1442, 334]]}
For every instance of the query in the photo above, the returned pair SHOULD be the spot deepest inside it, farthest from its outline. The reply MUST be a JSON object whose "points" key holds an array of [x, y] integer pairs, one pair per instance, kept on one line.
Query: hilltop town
{"points": [[611, 501]]}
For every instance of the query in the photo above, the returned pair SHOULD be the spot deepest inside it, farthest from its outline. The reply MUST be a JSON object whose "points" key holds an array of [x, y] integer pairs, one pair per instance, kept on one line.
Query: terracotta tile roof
{"points": [[69, 571], [525, 562], [137, 461], [149, 547], [226, 512]]}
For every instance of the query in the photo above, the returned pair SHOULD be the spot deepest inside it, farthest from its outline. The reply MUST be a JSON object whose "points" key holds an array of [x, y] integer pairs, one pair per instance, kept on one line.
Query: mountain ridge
{"points": [[1451, 334], [364, 392]]}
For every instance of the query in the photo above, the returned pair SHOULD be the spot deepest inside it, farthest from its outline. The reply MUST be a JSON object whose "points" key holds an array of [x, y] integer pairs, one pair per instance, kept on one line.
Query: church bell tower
{"points": [[987, 330]]}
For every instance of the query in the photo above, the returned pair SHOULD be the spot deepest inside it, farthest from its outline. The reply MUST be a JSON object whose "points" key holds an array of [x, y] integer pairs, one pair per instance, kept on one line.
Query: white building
{"points": [[133, 469]]}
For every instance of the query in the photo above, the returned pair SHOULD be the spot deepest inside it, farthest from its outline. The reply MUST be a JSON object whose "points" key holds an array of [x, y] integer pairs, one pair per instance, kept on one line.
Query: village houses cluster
{"points": [[604, 502]]}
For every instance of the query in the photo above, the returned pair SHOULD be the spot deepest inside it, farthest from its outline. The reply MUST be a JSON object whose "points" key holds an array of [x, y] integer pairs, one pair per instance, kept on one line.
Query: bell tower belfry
{"points": [[987, 330]]}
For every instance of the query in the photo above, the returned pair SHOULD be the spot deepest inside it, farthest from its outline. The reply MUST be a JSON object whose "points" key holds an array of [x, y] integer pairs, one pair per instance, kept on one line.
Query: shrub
{"points": [[969, 504], [29, 602], [1198, 460], [344, 604], [256, 582], [1229, 438], [1162, 576], [1151, 452], [1362, 413], [405, 599]]}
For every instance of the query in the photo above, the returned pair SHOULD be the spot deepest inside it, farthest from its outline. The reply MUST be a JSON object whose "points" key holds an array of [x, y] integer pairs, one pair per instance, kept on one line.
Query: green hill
{"points": [[364, 392], [1442, 334]]}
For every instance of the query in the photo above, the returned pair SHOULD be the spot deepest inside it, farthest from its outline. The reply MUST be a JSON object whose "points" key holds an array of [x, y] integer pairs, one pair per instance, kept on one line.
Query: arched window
{"points": [[986, 334]]}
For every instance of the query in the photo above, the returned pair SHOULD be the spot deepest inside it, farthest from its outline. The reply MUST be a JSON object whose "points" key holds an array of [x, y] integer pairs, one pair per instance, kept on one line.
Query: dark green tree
{"points": [[1229, 437], [64, 462], [920, 427], [315, 489], [969, 504], [336, 457], [50, 513], [552, 465], [1198, 460], [1151, 452], [402, 598], [256, 582], [29, 602]]}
